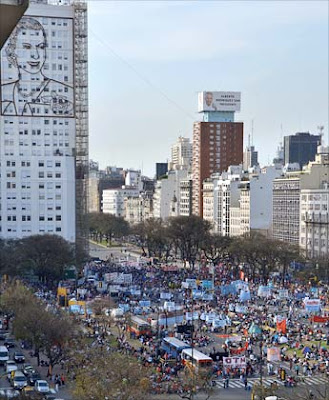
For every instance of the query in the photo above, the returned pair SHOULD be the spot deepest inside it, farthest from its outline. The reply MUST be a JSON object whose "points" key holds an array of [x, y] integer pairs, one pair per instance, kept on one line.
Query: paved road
{"points": [[104, 253]]}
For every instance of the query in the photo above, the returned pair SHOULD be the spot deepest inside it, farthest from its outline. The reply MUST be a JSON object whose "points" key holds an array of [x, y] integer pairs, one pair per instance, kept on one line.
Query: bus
{"points": [[173, 346], [193, 357], [139, 327]]}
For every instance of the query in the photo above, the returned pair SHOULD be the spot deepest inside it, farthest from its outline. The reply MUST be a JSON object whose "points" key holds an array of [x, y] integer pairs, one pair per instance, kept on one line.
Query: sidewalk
{"points": [[64, 391]]}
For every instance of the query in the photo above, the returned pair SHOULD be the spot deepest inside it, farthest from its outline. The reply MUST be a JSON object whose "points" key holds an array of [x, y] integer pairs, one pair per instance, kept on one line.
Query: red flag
{"points": [[282, 326]]}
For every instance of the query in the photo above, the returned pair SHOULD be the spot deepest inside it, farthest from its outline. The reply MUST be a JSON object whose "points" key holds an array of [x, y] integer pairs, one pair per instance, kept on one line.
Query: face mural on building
{"points": [[32, 84]]}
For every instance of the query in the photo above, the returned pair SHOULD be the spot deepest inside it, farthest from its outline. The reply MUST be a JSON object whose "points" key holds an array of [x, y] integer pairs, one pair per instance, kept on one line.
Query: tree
{"points": [[112, 376], [49, 331], [191, 381], [10, 257], [216, 247], [188, 234], [107, 225], [46, 255], [257, 252], [153, 238], [286, 253]]}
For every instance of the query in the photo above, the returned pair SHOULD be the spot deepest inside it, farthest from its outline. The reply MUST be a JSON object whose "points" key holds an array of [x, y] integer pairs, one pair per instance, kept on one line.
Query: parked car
{"points": [[41, 386], [10, 342], [10, 366], [19, 357]]}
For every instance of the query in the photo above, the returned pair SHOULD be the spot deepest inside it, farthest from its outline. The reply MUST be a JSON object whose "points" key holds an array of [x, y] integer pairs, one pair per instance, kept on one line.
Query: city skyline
{"points": [[144, 77]]}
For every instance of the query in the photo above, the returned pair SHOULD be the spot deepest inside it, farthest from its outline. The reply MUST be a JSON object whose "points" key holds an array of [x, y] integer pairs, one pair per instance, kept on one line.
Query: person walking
{"points": [[245, 381]]}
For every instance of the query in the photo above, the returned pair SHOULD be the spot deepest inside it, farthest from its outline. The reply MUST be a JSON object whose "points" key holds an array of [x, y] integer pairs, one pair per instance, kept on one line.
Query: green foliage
{"points": [[114, 376], [43, 255], [46, 255], [49, 331], [108, 226]]}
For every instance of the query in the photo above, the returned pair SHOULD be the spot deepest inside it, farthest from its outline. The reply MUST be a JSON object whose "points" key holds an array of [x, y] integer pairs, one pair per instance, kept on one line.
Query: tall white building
{"points": [[185, 204], [167, 195], [287, 198], [255, 203], [314, 214], [220, 193], [44, 122], [181, 154]]}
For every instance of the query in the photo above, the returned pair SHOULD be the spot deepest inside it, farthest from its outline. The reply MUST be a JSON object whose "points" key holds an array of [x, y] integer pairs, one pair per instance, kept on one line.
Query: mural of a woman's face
{"points": [[30, 52]]}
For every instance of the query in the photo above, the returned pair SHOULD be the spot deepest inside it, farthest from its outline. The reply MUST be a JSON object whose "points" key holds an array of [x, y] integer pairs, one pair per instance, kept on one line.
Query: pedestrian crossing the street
{"points": [[267, 382]]}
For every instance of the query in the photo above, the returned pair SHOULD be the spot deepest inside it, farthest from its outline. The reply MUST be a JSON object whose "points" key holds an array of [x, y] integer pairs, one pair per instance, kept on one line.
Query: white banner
{"points": [[273, 354], [234, 362]]}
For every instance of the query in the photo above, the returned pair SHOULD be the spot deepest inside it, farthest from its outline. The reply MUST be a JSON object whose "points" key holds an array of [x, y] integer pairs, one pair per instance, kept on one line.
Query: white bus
{"points": [[196, 358]]}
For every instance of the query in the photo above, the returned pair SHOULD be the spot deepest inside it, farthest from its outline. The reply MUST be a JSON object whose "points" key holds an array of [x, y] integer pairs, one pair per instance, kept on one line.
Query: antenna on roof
{"points": [[321, 128]]}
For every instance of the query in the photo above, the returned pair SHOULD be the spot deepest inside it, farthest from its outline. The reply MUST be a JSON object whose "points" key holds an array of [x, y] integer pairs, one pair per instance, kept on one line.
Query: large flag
{"points": [[281, 326]]}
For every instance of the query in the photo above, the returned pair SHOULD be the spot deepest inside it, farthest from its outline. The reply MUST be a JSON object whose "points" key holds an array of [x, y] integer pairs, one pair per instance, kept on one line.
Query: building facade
{"points": [[185, 204], [181, 154], [216, 146], [167, 196], [113, 200], [287, 196], [314, 221], [300, 148], [93, 188], [250, 158], [138, 209], [44, 123], [160, 170], [217, 140]]}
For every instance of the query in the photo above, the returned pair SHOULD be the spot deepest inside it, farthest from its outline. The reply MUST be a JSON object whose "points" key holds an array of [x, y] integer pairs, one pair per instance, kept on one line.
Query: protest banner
{"points": [[312, 305], [234, 362]]}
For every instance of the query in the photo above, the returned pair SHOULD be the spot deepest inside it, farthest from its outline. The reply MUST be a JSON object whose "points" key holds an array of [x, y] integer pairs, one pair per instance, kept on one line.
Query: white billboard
{"points": [[37, 68], [219, 101]]}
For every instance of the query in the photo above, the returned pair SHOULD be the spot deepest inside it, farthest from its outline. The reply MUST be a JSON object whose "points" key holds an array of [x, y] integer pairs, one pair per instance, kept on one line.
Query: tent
{"points": [[283, 339]]}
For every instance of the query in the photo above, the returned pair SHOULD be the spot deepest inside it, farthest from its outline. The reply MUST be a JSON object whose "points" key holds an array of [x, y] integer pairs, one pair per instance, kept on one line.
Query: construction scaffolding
{"points": [[81, 120]]}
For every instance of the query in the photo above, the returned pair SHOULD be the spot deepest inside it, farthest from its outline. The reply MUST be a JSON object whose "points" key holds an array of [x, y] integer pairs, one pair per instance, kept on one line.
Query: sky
{"points": [[149, 59]]}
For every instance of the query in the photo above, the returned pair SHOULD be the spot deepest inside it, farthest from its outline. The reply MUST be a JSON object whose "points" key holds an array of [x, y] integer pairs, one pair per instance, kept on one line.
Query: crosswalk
{"points": [[267, 382]]}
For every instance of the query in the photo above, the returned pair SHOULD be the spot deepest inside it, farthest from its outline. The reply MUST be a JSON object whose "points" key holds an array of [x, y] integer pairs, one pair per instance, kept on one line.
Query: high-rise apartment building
{"points": [[44, 122], [217, 140], [181, 154], [300, 148]]}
